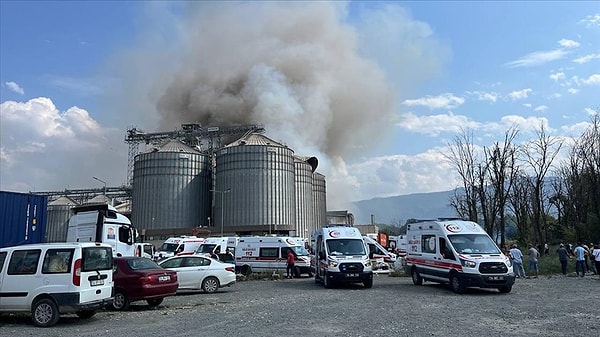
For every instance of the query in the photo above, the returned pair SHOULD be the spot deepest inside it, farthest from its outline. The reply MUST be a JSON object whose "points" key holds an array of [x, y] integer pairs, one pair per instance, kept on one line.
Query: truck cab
{"points": [[102, 223]]}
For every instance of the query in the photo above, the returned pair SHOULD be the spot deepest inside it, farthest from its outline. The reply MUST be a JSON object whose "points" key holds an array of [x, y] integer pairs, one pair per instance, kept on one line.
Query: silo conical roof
{"points": [[255, 139]]}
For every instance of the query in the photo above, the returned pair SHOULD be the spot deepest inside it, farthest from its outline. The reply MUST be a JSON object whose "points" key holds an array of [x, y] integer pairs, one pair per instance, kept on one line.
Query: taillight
{"points": [[231, 269], [387, 259], [77, 273]]}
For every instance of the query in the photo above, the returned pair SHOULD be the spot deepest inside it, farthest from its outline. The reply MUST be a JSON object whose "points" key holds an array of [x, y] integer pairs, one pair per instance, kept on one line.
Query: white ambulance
{"points": [[181, 245], [269, 253], [398, 244], [457, 252], [50, 279], [221, 248], [341, 255], [382, 261]]}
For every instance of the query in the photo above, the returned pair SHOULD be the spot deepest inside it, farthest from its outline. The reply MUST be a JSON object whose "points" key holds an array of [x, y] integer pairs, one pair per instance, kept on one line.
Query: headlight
{"points": [[467, 263], [508, 262], [368, 263], [333, 264]]}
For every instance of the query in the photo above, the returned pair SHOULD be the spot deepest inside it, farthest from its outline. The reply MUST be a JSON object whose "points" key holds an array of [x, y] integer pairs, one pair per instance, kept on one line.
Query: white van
{"points": [[181, 245], [382, 261], [457, 252], [269, 253], [341, 255], [50, 279], [398, 244]]}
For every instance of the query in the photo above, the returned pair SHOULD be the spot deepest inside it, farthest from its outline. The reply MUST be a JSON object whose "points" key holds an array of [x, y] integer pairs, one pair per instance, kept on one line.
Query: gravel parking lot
{"points": [[546, 306]]}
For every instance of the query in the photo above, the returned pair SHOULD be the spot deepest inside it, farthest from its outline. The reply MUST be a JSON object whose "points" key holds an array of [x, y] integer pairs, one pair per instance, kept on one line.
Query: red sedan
{"points": [[139, 278]]}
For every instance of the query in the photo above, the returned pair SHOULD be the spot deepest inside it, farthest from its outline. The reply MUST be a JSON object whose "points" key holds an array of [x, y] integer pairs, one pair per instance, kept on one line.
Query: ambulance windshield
{"points": [[473, 244], [299, 251], [341, 247]]}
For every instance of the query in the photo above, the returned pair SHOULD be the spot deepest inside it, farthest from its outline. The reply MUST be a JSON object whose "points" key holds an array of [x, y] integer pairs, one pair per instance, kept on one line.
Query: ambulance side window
{"points": [[428, 244], [445, 250], [269, 252]]}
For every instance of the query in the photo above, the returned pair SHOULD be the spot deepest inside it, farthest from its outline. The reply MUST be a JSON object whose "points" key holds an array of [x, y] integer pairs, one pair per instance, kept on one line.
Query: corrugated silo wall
{"points": [[170, 190], [320, 200], [58, 222], [305, 215], [261, 179]]}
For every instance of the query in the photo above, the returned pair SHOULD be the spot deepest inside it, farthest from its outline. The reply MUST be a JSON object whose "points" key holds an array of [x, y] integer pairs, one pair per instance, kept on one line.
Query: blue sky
{"points": [[376, 90]]}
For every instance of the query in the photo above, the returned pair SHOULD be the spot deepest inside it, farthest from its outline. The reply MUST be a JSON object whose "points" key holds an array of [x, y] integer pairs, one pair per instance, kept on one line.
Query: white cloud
{"points": [[521, 94], [568, 43], [572, 91], [591, 21], [43, 148], [591, 111], [541, 108], [15, 87], [484, 95], [557, 76], [592, 80], [433, 125], [538, 58], [443, 101], [586, 58], [527, 105]]}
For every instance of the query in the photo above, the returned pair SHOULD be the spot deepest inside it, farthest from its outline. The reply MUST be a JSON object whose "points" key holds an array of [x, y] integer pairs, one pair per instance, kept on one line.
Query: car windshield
{"points": [[299, 251], [346, 247], [473, 244], [205, 248], [142, 263], [168, 247]]}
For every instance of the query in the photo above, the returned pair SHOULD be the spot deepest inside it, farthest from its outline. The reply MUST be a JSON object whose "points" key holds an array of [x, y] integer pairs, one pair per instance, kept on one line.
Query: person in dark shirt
{"points": [[563, 257]]}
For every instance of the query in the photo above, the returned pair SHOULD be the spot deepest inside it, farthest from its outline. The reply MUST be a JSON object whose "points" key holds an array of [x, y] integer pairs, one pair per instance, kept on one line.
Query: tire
{"points": [[120, 301], [368, 284], [327, 283], [85, 314], [310, 274], [416, 277], [505, 290], [155, 302], [246, 270], [297, 272], [44, 313], [457, 284], [210, 285]]}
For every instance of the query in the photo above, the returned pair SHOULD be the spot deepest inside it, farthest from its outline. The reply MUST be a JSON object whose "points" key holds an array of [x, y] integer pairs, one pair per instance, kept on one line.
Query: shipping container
{"points": [[22, 218]]}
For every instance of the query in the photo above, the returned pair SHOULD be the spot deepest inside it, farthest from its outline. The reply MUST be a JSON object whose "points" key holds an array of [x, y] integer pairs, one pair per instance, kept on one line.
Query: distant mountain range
{"points": [[396, 210]]}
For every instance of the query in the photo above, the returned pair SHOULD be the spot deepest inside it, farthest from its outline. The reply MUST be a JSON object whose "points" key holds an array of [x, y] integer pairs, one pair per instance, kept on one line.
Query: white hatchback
{"points": [[50, 279], [196, 272]]}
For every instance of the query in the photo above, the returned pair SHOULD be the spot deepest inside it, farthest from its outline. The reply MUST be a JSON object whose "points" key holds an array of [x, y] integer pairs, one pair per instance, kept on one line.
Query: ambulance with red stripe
{"points": [[341, 256], [456, 252], [269, 253]]}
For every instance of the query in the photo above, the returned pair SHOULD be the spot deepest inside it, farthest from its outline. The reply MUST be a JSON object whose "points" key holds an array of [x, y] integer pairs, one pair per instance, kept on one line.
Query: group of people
{"points": [[583, 254]]}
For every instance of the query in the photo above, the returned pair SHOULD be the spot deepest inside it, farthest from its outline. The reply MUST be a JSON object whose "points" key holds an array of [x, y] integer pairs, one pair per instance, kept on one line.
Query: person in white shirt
{"points": [[596, 255], [517, 258]]}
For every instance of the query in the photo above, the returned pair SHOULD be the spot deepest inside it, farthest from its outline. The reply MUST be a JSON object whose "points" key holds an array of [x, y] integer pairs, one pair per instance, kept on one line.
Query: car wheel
{"points": [[297, 272], [155, 302], [327, 283], [120, 301], [368, 284], [505, 290], [44, 313], [246, 270], [85, 314], [457, 284], [210, 285], [416, 277]]}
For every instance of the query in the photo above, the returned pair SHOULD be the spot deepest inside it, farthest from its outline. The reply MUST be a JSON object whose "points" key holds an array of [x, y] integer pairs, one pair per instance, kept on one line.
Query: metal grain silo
{"points": [[305, 214], [59, 213], [254, 182], [320, 200], [170, 189]]}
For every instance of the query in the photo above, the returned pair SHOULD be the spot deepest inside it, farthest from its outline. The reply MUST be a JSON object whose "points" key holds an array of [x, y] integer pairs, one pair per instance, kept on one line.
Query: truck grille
{"points": [[493, 268], [351, 267]]}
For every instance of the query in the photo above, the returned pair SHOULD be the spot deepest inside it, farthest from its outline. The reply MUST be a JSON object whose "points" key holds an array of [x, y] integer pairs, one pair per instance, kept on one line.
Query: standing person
{"points": [[533, 261], [563, 257], [290, 264], [591, 255], [517, 258], [546, 249], [596, 255], [579, 253]]}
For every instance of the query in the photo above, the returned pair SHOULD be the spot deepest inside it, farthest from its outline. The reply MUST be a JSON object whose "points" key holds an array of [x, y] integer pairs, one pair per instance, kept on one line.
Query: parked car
{"points": [[139, 278], [197, 272]]}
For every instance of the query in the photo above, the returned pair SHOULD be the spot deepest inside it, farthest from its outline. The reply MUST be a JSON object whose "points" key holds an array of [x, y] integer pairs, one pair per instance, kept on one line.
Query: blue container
{"points": [[22, 218]]}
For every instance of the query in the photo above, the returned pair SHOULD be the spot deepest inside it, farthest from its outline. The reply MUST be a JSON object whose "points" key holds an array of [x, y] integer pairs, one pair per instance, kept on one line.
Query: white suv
{"points": [[50, 279]]}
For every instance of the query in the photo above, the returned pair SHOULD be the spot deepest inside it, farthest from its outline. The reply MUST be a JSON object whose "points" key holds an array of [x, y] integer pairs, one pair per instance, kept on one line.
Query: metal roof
{"points": [[255, 139]]}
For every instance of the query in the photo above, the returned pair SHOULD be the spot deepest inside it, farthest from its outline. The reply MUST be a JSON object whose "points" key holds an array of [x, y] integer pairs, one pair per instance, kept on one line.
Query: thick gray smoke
{"points": [[293, 67]]}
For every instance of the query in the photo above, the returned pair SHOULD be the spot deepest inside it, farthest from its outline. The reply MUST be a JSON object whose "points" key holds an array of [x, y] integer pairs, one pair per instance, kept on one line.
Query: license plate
{"points": [[352, 275], [96, 282], [496, 278], [164, 278]]}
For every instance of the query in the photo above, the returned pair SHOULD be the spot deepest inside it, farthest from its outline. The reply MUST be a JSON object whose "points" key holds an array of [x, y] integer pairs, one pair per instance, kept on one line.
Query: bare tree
{"points": [[539, 155], [462, 155]]}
